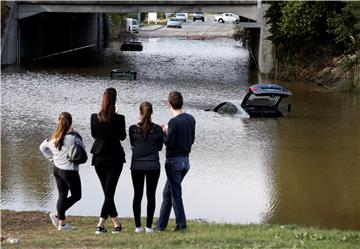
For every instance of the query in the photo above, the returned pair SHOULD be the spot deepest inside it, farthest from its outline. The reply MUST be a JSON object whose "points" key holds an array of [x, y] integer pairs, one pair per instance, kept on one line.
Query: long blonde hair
{"points": [[64, 124]]}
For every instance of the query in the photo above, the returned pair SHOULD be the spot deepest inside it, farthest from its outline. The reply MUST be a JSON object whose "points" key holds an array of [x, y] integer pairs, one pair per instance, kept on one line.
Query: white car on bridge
{"points": [[227, 17], [181, 16]]}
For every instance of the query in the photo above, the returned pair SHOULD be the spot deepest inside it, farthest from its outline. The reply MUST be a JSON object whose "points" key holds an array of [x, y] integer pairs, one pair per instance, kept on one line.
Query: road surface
{"points": [[197, 29]]}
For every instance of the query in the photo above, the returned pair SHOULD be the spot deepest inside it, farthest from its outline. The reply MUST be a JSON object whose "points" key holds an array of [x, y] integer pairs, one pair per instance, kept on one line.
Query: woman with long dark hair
{"points": [[65, 172], [146, 139], [108, 128]]}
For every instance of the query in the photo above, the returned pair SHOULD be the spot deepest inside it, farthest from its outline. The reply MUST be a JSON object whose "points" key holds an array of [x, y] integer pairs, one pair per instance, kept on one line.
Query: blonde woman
{"points": [[65, 172]]}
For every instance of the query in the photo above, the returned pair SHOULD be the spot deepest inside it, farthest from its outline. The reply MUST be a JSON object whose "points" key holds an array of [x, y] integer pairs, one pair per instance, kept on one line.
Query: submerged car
{"points": [[174, 22], [262, 100], [131, 46]]}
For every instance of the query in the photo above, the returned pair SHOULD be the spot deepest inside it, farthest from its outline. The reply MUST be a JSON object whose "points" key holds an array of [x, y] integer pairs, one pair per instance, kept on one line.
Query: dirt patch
{"points": [[12, 223]]}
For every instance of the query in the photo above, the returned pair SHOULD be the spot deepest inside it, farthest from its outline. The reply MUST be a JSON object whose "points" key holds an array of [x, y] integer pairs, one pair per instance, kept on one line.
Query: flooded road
{"points": [[302, 169]]}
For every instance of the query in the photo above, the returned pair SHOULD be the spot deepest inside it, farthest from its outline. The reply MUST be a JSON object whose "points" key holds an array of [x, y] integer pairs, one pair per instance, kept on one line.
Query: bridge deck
{"points": [[244, 8]]}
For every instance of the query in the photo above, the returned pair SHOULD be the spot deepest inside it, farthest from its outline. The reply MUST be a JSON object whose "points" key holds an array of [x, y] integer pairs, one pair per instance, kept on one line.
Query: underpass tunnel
{"points": [[46, 34]]}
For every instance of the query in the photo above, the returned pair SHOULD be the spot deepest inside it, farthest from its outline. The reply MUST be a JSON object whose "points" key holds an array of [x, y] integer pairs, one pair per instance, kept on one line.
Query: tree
{"points": [[274, 15], [346, 27], [301, 23]]}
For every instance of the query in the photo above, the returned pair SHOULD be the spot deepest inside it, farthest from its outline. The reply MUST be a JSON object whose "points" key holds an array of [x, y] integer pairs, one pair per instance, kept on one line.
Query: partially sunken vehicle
{"points": [[262, 100], [131, 46]]}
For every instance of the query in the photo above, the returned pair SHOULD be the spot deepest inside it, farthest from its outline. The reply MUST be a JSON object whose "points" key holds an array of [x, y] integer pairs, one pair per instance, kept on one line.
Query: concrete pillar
{"points": [[265, 55], [9, 43], [101, 34], [139, 17]]}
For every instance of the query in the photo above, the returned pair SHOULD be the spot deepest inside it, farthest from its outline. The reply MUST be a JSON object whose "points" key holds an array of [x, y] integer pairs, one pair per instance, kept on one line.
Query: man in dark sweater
{"points": [[179, 137]]}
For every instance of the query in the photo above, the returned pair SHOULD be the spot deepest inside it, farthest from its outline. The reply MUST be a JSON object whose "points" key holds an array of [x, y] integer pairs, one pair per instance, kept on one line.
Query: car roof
{"points": [[264, 89]]}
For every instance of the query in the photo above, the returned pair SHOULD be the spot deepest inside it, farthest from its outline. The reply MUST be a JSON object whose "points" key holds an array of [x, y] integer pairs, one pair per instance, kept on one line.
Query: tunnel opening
{"points": [[49, 34]]}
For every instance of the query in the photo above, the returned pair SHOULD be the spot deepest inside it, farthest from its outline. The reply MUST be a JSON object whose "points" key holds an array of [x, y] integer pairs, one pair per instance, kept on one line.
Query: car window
{"points": [[262, 100], [226, 14], [135, 22], [174, 19]]}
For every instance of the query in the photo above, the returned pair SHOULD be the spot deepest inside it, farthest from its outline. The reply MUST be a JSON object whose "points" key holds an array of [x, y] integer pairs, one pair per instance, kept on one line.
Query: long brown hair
{"points": [[64, 124], [108, 105], [146, 110]]}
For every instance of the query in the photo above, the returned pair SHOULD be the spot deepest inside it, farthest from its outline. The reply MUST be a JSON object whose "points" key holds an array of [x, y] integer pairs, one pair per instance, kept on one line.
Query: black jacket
{"points": [[181, 135], [146, 152], [107, 148]]}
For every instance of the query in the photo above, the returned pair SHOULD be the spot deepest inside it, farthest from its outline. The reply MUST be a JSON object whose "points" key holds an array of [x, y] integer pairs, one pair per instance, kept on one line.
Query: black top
{"points": [[181, 135], [107, 149], [146, 152]]}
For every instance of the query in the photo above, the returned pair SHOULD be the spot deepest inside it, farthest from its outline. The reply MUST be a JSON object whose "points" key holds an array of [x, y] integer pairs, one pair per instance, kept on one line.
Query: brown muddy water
{"points": [[302, 169]]}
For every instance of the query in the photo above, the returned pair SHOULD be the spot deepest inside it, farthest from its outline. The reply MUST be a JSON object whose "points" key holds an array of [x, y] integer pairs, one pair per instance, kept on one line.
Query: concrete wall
{"points": [[261, 48], [265, 56], [9, 42], [244, 8]]}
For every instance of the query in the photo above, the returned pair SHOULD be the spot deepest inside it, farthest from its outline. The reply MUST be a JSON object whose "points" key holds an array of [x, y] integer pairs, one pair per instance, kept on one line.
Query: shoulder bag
{"points": [[76, 153]]}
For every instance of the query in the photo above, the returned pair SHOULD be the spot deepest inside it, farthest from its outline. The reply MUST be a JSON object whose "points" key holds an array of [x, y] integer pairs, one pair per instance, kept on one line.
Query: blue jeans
{"points": [[176, 169]]}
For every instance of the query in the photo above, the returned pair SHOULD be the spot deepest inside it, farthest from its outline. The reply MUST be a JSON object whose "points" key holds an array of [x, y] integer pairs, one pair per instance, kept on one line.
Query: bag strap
{"points": [[76, 134]]}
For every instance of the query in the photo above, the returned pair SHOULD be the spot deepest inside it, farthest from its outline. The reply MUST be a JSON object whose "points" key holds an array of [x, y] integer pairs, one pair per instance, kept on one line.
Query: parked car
{"points": [[174, 22], [262, 100], [181, 16], [199, 16], [227, 17], [135, 26]]}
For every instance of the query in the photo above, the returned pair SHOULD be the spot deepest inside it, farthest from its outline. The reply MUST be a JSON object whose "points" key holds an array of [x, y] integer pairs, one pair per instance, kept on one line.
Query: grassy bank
{"points": [[34, 230]]}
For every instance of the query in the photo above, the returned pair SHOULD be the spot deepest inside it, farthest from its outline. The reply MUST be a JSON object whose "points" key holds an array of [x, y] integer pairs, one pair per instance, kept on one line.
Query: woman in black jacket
{"points": [[146, 139], [108, 128]]}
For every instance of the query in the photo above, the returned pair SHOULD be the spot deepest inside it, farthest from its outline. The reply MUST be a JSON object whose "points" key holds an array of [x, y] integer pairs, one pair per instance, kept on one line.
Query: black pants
{"points": [[67, 180], [138, 178], [109, 177]]}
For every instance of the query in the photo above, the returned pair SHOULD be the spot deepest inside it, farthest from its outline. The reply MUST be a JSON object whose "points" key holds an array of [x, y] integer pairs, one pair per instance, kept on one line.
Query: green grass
{"points": [[34, 230]]}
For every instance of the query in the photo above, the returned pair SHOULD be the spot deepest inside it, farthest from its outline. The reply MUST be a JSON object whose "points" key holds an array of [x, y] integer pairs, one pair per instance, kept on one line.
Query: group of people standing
{"points": [[146, 139]]}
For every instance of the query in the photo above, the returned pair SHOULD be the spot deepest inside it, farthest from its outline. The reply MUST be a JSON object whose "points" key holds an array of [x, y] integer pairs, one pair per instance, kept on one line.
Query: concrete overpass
{"points": [[89, 24]]}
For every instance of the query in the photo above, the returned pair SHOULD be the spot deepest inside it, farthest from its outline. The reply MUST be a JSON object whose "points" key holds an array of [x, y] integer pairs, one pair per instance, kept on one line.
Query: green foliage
{"points": [[308, 34], [161, 15], [274, 15], [346, 27], [241, 34], [301, 23]]}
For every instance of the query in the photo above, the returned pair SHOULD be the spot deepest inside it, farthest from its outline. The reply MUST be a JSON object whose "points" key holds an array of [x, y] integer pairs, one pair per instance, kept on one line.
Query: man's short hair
{"points": [[175, 100]]}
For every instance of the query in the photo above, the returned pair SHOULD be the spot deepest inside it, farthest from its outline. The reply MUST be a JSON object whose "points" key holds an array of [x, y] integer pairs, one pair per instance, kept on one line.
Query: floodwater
{"points": [[302, 169]]}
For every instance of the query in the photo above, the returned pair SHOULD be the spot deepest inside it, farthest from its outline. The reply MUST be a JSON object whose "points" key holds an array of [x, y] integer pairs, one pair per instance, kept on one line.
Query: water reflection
{"points": [[316, 171], [24, 178], [301, 169]]}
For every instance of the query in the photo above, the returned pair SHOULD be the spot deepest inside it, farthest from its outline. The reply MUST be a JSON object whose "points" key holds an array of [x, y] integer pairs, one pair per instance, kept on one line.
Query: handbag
{"points": [[76, 153]]}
